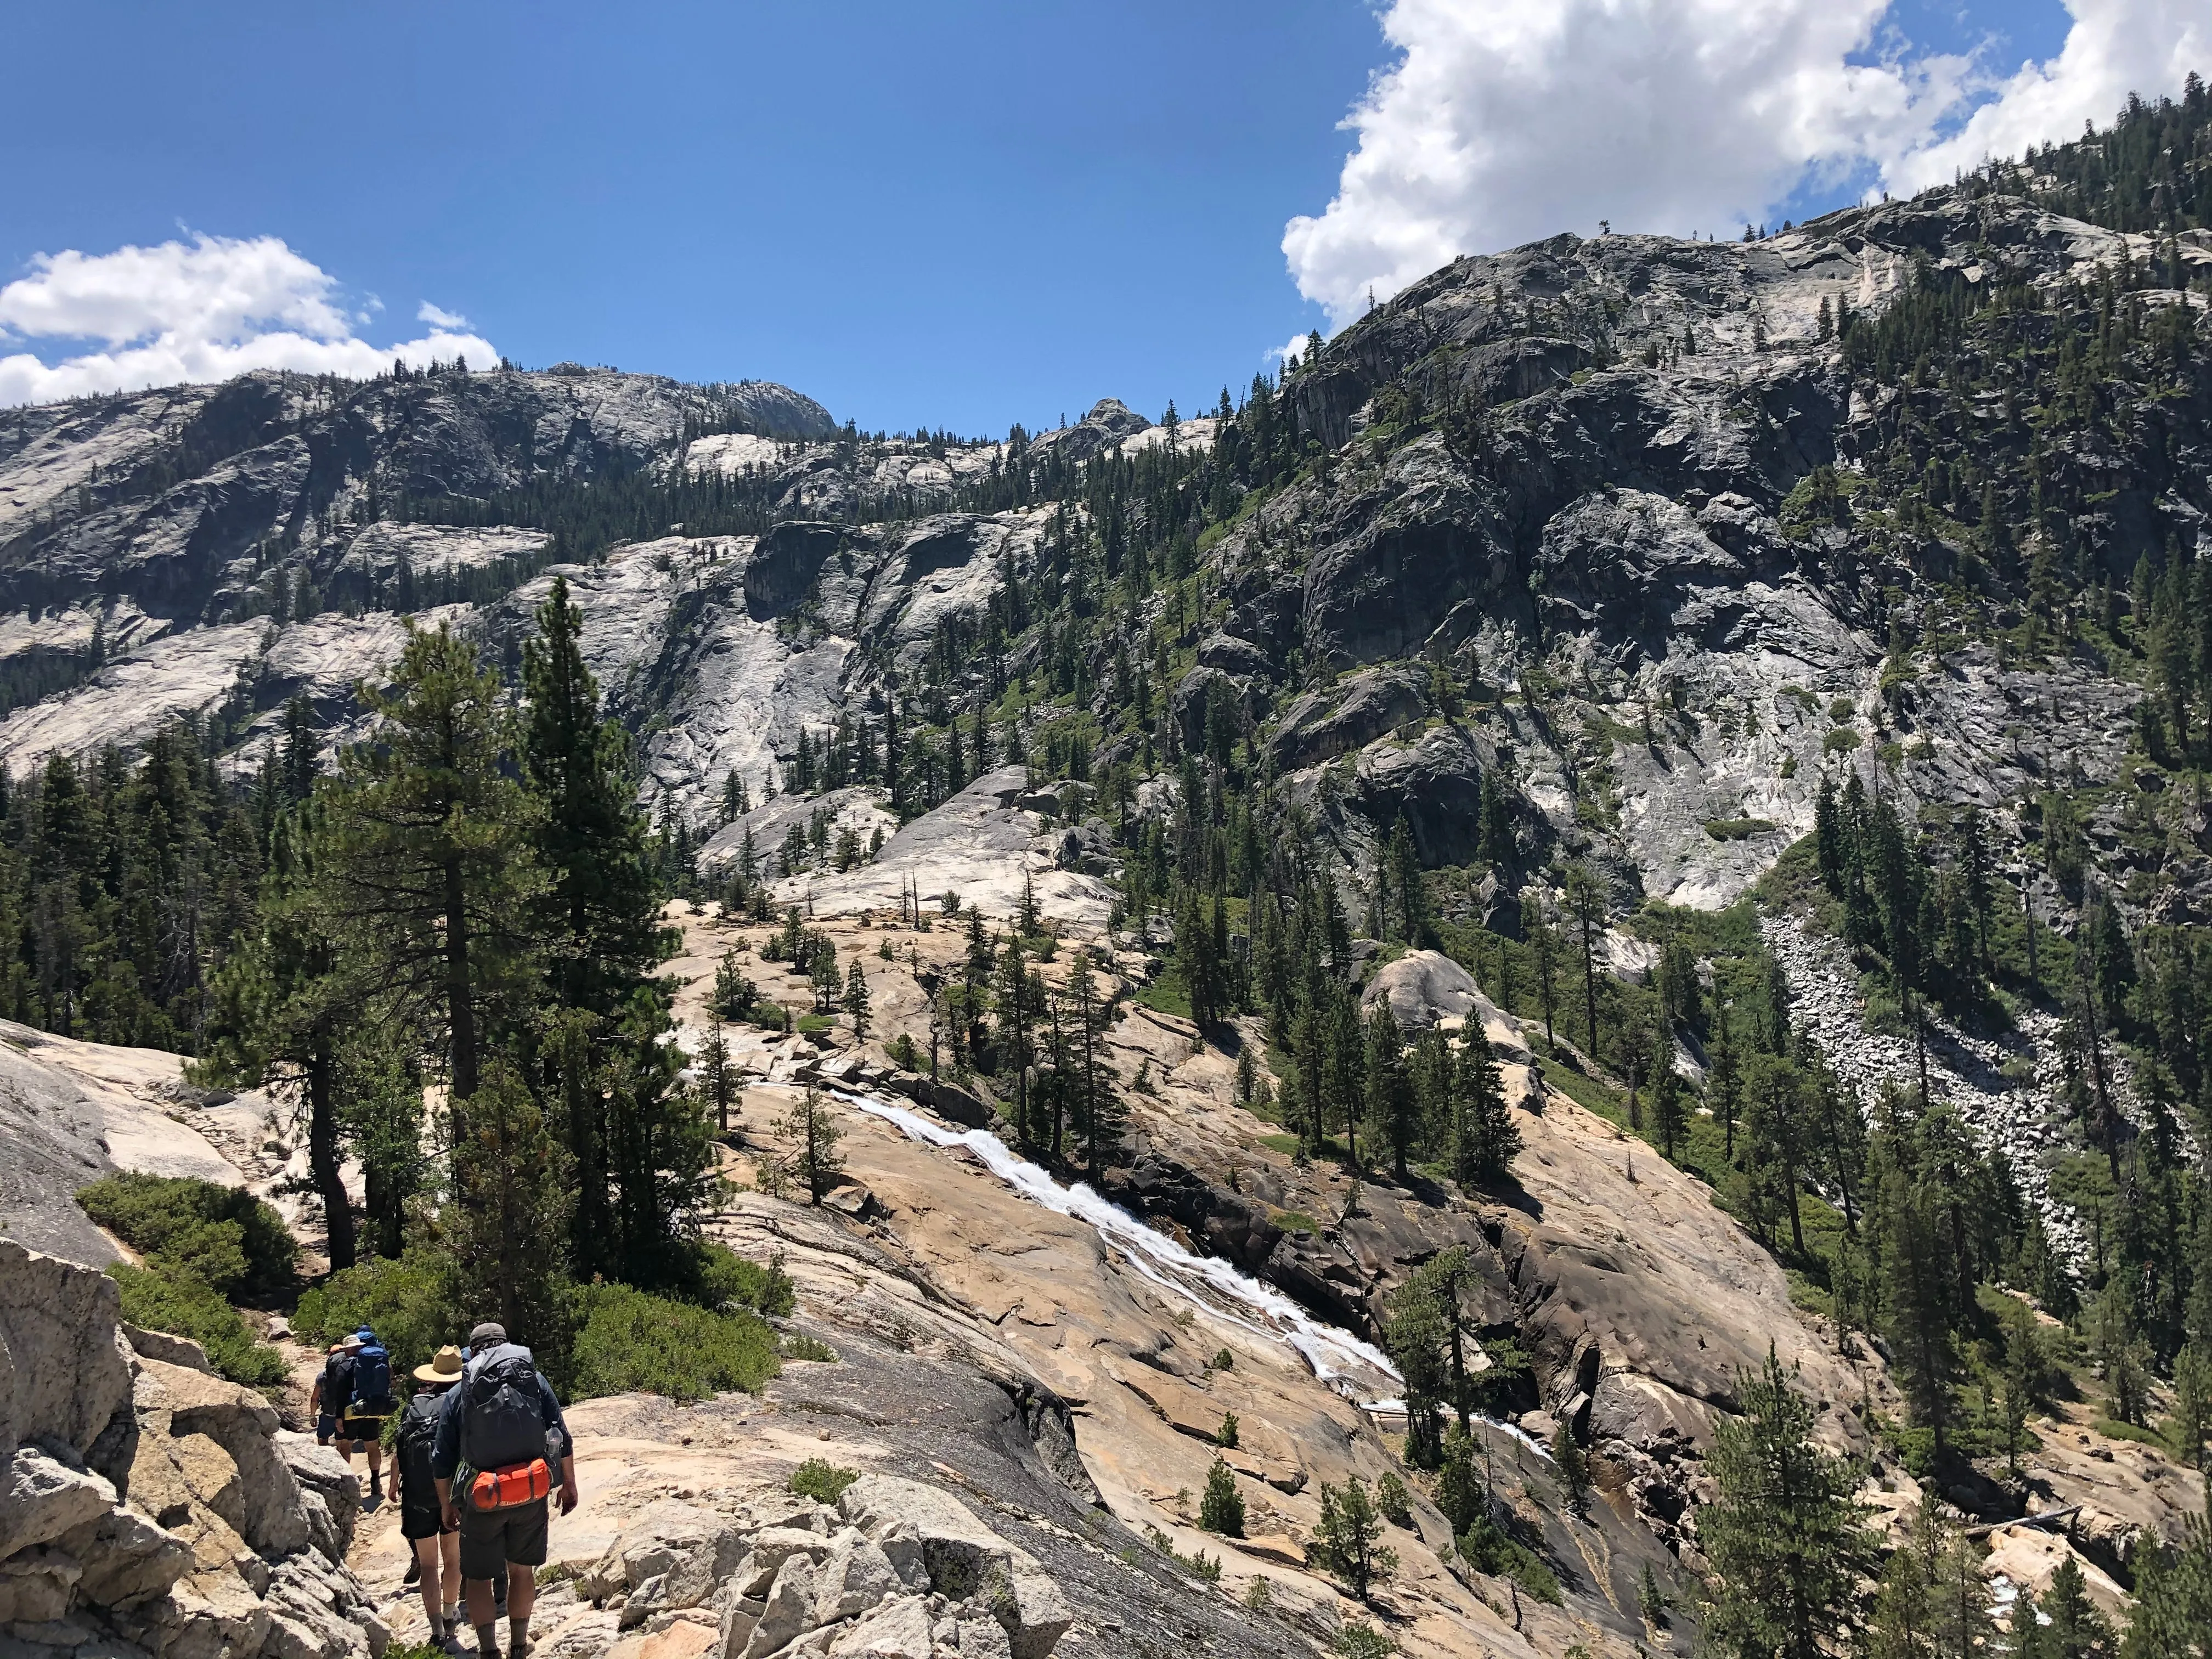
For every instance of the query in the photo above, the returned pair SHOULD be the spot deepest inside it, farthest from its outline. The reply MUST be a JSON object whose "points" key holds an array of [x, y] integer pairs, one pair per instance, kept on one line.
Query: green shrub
{"points": [[633, 1342], [800, 1345], [164, 1297], [1358, 1639], [1736, 829], [821, 1480], [1489, 1548], [1841, 741], [222, 1236], [409, 1302], [727, 1279]]}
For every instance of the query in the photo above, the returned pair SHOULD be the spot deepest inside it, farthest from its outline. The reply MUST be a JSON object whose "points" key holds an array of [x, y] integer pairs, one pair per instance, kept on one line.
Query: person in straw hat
{"points": [[437, 1546]]}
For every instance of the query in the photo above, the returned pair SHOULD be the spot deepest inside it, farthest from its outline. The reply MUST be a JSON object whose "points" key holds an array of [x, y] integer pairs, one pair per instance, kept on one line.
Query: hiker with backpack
{"points": [[369, 1401], [499, 1440], [437, 1546], [333, 1387]]}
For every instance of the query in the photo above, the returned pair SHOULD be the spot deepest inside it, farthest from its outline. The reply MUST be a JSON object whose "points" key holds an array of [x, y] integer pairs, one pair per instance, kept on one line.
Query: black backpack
{"points": [[417, 1438], [503, 1424], [338, 1384]]}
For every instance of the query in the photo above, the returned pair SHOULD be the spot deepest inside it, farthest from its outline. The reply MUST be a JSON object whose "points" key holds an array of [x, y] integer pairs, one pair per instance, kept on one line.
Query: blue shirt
{"points": [[446, 1451]]}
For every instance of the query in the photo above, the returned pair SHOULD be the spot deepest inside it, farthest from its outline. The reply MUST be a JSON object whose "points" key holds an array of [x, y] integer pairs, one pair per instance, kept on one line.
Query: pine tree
{"points": [[722, 1074], [1389, 1095], [1221, 1507], [1347, 1538], [1786, 1541], [1484, 1139], [429, 868], [856, 1000], [1573, 1464], [813, 1136], [601, 912], [506, 1229], [1586, 903], [2077, 1630], [280, 1010], [1669, 1118]]}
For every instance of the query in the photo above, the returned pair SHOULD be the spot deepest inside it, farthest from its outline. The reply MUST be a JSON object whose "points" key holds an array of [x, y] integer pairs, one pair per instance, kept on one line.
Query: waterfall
{"points": [[1357, 1369]]}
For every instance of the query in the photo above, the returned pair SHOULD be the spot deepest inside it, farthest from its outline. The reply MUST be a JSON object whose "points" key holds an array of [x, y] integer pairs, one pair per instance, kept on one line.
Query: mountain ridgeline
{"points": [[1778, 669]]}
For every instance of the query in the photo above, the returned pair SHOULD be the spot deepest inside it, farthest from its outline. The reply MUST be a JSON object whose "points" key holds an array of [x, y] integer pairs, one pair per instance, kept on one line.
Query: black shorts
{"points": [[494, 1539], [420, 1522], [365, 1425]]}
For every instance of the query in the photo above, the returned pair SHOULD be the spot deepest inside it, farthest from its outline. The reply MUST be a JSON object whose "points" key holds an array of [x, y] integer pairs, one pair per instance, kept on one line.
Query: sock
{"points": [[517, 1637], [487, 1640], [453, 1617]]}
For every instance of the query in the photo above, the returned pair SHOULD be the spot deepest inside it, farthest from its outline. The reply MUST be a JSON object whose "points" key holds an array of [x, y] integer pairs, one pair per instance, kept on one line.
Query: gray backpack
{"points": [[503, 1422]]}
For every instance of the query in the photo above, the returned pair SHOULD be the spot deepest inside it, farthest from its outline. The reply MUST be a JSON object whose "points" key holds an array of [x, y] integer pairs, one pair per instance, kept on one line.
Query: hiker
{"points": [[333, 1384], [437, 1546], [367, 1403], [504, 1428]]}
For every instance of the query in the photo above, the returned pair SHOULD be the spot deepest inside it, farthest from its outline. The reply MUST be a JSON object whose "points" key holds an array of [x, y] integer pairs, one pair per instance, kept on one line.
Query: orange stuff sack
{"points": [[507, 1489]]}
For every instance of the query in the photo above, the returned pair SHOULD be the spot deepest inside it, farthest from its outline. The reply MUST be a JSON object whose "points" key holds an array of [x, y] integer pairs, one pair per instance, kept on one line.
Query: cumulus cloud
{"points": [[427, 313], [1504, 120], [204, 310], [2115, 47]]}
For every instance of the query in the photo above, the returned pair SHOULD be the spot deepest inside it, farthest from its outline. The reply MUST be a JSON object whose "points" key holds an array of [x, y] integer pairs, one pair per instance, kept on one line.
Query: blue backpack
{"points": [[372, 1377]]}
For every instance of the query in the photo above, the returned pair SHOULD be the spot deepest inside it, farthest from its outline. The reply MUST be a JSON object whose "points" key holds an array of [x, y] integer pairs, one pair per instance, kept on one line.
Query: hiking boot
{"points": [[376, 1488], [414, 1570]]}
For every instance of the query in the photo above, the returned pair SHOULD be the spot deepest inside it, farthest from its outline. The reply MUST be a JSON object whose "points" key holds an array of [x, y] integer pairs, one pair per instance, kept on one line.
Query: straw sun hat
{"points": [[445, 1367]]}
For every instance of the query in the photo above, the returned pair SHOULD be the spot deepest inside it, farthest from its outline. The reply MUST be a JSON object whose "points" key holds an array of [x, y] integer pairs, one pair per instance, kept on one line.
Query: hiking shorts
{"points": [[364, 1421], [494, 1539], [327, 1427], [418, 1522]]}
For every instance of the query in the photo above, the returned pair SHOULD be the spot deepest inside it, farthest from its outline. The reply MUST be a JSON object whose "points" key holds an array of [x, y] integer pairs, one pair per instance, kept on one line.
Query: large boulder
{"points": [[152, 1507], [1422, 986], [965, 1557], [64, 1371]]}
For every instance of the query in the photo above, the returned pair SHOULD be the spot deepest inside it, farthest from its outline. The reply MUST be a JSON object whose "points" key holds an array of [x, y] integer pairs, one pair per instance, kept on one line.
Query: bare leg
{"points": [[521, 1595], [434, 1601], [449, 1575]]}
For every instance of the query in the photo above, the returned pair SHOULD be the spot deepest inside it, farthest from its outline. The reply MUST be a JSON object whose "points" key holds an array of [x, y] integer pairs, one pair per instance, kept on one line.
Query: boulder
{"points": [[64, 1371], [788, 1613], [898, 1629], [854, 1576], [1422, 986], [965, 1557], [43, 1497], [175, 1350]]}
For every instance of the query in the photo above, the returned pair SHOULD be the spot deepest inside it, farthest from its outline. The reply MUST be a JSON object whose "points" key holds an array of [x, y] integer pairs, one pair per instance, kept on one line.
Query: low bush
{"points": [[821, 1480], [629, 1340], [408, 1301], [224, 1237], [727, 1281], [162, 1296]]}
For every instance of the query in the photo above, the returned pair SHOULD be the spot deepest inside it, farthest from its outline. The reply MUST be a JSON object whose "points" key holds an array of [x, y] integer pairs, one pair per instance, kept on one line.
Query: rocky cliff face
{"points": [[149, 1507]]}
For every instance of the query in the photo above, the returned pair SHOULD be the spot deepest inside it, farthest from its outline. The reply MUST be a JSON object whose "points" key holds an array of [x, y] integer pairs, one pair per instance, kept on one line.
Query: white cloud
{"points": [[1505, 120], [198, 311], [438, 315], [2115, 47]]}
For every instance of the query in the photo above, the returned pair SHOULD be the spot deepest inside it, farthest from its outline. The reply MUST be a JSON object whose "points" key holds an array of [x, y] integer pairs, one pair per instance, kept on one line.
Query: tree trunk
{"points": [[323, 1161], [460, 1012]]}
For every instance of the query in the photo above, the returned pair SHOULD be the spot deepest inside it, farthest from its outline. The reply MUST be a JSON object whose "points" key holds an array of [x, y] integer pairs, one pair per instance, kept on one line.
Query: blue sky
{"points": [[961, 214]]}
